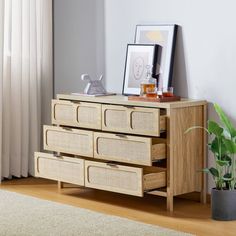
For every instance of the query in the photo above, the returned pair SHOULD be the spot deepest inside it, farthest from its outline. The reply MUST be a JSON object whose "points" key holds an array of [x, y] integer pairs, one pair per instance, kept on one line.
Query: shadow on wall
{"points": [[180, 74]]}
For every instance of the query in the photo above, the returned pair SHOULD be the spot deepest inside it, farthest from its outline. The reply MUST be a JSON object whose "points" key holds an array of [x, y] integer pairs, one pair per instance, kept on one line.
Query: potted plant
{"points": [[223, 146]]}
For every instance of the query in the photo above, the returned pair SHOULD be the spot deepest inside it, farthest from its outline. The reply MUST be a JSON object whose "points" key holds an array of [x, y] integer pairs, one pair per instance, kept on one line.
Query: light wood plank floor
{"points": [[189, 216]]}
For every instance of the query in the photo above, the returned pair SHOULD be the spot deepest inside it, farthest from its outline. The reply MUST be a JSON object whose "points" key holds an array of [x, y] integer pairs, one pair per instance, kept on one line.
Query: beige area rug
{"points": [[22, 215]]}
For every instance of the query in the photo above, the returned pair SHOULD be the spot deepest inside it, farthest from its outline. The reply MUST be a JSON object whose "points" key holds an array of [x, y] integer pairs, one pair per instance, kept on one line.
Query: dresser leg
{"points": [[170, 203], [203, 198], [59, 185]]}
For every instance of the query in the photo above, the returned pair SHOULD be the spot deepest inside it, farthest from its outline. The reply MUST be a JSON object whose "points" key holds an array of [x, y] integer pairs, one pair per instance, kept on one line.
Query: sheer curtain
{"points": [[25, 82]]}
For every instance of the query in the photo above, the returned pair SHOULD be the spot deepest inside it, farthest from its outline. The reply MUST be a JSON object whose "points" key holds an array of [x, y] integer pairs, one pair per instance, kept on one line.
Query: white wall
{"points": [[78, 42], [205, 63]]}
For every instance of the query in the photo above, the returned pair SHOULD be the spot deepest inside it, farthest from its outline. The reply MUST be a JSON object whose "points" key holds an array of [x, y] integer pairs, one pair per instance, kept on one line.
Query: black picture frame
{"points": [[132, 80]]}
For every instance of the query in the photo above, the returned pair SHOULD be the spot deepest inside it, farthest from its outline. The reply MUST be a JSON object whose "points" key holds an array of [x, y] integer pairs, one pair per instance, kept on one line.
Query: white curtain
{"points": [[25, 82]]}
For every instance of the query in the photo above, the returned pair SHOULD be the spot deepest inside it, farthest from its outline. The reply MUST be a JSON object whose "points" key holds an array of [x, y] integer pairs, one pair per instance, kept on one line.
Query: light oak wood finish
{"points": [[185, 153], [189, 216], [128, 149], [68, 140], [132, 120], [170, 166], [60, 185], [185, 156], [123, 100], [187, 147], [60, 168], [153, 178], [76, 114], [123, 179]]}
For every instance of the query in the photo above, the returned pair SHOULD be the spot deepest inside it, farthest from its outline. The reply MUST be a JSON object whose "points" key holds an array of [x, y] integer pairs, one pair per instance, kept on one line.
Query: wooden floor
{"points": [[189, 216]]}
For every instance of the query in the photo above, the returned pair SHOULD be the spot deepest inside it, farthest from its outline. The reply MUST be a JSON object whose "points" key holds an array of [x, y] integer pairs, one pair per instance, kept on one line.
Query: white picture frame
{"points": [[165, 37]]}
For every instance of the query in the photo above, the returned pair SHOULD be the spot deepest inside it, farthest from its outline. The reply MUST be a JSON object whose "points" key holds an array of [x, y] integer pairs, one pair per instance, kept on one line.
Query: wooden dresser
{"points": [[127, 147]]}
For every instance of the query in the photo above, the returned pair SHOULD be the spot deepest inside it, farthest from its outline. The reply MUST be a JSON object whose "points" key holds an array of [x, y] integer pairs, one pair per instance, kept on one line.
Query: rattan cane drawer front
{"points": [[135, 120], [66, 169], [123, 179], [77, 114], [128, 149], [66, 140]]}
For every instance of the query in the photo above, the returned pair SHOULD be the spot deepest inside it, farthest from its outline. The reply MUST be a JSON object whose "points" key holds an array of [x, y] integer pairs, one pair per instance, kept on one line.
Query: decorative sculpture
{"points": [[94, 86]]}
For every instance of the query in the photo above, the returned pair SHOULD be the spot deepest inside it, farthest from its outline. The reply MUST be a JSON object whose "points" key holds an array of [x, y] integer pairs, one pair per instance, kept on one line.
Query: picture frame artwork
{"points": [[165, 37], [139, 57]]}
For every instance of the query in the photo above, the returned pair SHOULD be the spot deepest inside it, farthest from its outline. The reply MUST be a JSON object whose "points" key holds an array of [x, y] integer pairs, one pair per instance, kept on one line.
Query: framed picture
{"points": [[139, 58], [165, 37]]}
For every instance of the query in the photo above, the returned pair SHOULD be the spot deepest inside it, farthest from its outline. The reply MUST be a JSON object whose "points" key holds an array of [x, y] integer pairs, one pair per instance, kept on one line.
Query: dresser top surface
{"points": [[123, 100]]}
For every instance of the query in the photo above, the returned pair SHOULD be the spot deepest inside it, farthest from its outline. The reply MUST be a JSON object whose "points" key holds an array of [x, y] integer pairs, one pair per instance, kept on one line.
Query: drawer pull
{"points": [[112, 164], [58, 156], [130, 107], [121, 135], [76, 102], [67, 128]]}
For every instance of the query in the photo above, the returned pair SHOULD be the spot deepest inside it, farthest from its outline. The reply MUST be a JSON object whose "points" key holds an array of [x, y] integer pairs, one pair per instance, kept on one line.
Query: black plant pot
{"points": [[223, 204]]}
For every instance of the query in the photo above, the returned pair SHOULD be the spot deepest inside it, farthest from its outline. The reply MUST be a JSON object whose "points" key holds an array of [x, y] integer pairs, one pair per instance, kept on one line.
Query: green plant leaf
{"points": [[212, 171], [225, 120], [222, 163], [214, 146], [227, 177], [218, 147], [214, 128], [227, 158], [206, 170], [230, 145], [226, 134]]}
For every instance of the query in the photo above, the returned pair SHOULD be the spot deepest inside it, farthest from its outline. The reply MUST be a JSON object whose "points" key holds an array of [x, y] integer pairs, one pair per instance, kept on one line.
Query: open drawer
{"points": [[65, 169], [134, 120], [67, 140], [123, 179], [77, 114], [128, 149]]}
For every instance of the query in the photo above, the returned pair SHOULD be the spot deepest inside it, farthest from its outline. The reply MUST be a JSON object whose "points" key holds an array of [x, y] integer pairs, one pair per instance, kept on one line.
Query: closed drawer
{"points": [[128, 149], [66, 169], [135, 120], [66, 140], [123, 179], [78, 114]]}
